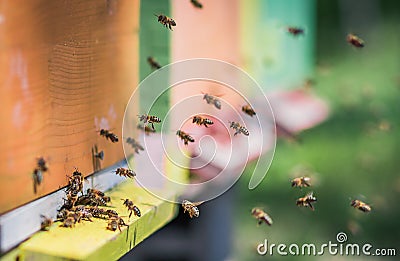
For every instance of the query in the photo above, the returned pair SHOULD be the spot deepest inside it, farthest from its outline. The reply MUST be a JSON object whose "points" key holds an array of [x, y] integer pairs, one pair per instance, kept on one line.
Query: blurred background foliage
{"points": [[353, 154]]}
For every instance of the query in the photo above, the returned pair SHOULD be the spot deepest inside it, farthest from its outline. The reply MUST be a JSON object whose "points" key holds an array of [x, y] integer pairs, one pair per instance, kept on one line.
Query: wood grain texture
{"points": [[67, 69]]}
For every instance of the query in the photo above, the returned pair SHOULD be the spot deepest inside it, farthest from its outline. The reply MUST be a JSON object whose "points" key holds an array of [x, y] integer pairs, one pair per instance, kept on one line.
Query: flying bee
{"points": [[135, 144], [185, 137], [166, 21], [248, 110], [196, 4], [109, 135], [96, 158], [46, 223], [261, 216], [355, 40], [115, 223], [42, 164], [212, 100], [307, 201], [295, 31], [239, 128], [191, 208], [358, 204], [147, 130], [149, 119], [132, 208], [123, 172], [153, 63], [37, 174], [37, 177], [202, 121], [301, 182]]}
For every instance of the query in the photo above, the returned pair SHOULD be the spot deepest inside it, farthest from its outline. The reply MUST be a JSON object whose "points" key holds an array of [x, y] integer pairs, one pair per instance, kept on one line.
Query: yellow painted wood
{"points": [[92, 241]]}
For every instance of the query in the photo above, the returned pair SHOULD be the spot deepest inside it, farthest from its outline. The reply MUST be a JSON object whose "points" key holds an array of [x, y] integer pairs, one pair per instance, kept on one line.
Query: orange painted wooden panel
{"points": [[210, 32], [67, 69]]}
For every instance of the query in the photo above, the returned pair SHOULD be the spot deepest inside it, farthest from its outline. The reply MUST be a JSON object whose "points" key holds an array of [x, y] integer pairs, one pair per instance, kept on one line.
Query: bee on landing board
{"points": [[197, 4], [68, 222], [153, 63], [202, 121], [149, 119], [295, 31], [261, 216], [238, 128], [46, 223], [131, 208], [248, 110], [358, 204], [123, 172], [212, 100], [301, 182], [109, 135], [147, 130], [307, 201], [355, 40], [115, 223], [185, 137], [166, 21], [191, 208], [136, 146]]}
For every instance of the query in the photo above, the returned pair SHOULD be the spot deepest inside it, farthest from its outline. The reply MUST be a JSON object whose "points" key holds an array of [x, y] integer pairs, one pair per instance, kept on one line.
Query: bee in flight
{"points": [[109, 135], [239, 128], [123, 172], [166, 21], [185, 137], [191, 208], [96, 158], [355, 40], [202, 121], [261, 216], [147, 130], [301, 182], [132, 208], [153, 63], [135, 144], [295, 31], [149, 119], [248, 110], [41, 167], [196, 4], [358, 204], [307, 201], [212, 100]]}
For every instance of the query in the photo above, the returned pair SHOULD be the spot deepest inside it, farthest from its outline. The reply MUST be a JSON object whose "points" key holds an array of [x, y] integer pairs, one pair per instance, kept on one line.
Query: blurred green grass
{"points": [[351, 155]]}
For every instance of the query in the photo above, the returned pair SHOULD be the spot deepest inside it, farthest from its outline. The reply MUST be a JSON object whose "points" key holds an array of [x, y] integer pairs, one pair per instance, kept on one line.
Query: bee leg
{"points": [[130, 214], [311, 206], [259, 222]]}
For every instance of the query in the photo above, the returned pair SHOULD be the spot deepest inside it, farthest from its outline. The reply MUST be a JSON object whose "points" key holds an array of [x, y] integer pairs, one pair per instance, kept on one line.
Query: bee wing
{"points": [[310, 205], [198, 203]]}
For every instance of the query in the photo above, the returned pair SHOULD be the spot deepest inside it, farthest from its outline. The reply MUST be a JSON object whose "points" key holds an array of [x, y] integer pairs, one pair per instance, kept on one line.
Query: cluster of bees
{"points": [[78, 206], [306, 201]]}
